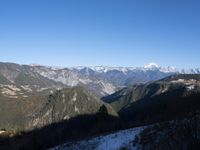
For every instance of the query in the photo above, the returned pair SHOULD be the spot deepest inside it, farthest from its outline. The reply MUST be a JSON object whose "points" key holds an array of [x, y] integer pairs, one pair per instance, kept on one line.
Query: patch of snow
{"points": [[85, 81], [36, 86], [113, 141], [105, 69], [51, 92], [168, 69], [35, 122], [76, 110], [74, 98], [41, 89], [164, 90], [189, 71], [66, 117], [2, 131], [27, 88], [192, 80], [185, 82], [35, 65], [63, 98], [102, 93], [191, 87], [178, 81], [56, 68], [100, 69]]}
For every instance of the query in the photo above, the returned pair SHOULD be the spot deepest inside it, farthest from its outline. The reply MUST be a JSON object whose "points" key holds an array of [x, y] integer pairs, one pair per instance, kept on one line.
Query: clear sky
{"points": [[100, 32]]}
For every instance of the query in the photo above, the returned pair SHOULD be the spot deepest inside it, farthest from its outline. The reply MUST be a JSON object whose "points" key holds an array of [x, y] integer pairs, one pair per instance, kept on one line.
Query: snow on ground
{"points": [[178, 81], [114, 141], [190, 83], [27, 88], [74, 97], [165, 89], [2, 131], [66, 117], [191, 87], [76, 109]]}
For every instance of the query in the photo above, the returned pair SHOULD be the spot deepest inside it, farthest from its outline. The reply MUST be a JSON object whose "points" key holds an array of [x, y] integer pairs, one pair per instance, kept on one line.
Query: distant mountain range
{"points": [[107, 80], [101, 80]]}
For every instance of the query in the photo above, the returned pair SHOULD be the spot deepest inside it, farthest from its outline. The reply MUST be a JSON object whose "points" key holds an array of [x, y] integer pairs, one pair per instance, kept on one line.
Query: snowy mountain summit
{"points": [[151, 66], [148, 67]]}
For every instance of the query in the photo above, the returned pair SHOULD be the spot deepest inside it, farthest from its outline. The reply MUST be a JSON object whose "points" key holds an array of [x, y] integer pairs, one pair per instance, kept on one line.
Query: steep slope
{"points": [[66, 104], [161, 100]]}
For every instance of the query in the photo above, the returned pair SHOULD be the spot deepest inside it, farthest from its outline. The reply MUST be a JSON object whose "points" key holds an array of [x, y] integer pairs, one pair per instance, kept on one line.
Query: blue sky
{"points": [[100, 32]]}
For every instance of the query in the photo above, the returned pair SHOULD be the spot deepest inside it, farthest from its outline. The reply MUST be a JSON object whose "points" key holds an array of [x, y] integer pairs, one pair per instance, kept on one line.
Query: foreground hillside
{"points": [[73, 129], [179, 134], [116, 141], [65, 115]]}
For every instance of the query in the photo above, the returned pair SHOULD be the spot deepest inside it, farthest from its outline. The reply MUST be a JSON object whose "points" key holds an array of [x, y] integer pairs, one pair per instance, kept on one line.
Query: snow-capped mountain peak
{"points": [[105, 69], [151, 66], [168, 69]]}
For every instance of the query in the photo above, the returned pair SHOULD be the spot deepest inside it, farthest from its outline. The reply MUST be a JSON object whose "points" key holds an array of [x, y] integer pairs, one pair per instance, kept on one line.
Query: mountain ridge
{"points": [[164, 99], [102, 80], [105, 68]]}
